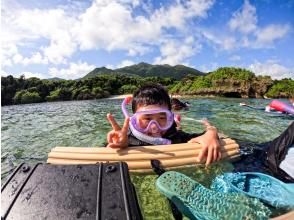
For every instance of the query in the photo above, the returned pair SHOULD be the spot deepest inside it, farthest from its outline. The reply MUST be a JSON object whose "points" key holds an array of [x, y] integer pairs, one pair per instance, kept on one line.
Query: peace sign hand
{"points": [[118, 137]]}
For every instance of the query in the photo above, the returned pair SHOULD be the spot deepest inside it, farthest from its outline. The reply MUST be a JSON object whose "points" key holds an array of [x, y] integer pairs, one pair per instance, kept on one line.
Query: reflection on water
{"points": [[30, 131]]}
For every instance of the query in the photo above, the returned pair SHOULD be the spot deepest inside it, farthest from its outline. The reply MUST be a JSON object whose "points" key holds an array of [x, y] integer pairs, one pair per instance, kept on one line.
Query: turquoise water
{"points": [[28, 132]]}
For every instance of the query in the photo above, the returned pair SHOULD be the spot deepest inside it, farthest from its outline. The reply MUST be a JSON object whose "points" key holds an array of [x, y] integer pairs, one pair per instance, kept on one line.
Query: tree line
{"points": [[32, 90], [22, 91]]}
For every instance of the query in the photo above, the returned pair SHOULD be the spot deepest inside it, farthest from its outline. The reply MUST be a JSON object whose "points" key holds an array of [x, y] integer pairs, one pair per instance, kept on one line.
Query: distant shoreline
{"points": [[119, 96], [126, 95]]}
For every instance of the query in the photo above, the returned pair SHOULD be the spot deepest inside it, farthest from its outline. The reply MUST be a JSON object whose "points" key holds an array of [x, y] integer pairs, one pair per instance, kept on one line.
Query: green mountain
{"points": [[55, 79], [98, 71], [147, 70]]}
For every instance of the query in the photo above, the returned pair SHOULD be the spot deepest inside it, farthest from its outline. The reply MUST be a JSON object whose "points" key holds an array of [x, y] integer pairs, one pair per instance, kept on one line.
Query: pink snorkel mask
{"points": [[166, 120]]}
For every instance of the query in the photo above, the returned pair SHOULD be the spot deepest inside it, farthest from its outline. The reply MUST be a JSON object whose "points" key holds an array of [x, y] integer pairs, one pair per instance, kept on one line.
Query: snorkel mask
{"points": [[140, 129], [163, 123]]}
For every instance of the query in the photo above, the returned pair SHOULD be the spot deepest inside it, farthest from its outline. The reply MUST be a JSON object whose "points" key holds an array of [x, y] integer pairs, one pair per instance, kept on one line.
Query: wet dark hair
{"points": [[151, 94]]}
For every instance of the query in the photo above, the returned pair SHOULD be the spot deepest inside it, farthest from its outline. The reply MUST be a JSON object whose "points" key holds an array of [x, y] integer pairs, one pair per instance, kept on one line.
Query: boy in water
{"points": [[153, 124]]}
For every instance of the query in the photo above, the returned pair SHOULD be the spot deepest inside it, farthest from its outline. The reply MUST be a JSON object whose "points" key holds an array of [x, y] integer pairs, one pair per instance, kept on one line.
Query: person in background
{"points": [[178, 105], [152, 123], [291, 100], [280, 154], [267, 108]]}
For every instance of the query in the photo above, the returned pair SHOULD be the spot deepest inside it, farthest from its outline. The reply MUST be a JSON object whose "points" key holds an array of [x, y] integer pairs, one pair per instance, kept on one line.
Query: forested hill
{"points": [[225, 82], [98, 71], [149, 70]]}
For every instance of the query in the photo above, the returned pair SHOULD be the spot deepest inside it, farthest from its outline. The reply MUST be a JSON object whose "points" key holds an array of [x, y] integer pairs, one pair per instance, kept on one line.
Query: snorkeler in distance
{"points": [[178, 105], [253, 107], [275, 106]]}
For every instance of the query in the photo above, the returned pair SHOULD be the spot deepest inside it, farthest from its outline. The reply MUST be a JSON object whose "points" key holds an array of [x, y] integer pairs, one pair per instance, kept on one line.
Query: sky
{"points": [[69, 38]]}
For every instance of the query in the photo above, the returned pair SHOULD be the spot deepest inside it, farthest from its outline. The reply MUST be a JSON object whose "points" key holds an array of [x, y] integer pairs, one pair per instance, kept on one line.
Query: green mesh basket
{"points": [[197, 202]]}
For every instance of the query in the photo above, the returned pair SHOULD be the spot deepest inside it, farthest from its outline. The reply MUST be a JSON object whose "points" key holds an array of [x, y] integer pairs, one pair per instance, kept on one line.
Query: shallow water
{"points": [[28, 132]]}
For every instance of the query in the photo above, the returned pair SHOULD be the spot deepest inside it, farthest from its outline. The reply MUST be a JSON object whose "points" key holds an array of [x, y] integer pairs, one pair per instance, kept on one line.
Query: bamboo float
{"points": [[133, 150], [173, 161], [145, 164], [287, 216], [148, 170], [131, 157], [138, 158]]}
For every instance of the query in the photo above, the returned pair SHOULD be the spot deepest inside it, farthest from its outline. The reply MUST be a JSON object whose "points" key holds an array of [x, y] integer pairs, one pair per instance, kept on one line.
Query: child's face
{"points": [[144, 119]]}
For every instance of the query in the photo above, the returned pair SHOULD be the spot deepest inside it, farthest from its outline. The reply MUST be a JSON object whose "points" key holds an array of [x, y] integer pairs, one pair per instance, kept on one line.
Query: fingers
{"points": [[113, 145], [117, 138], [109, 137], [113, 123], [215, 155], [124, 132], [219, 156], [209, 156], [125, 127], [212, 154], [112, 137], [202, 154]]}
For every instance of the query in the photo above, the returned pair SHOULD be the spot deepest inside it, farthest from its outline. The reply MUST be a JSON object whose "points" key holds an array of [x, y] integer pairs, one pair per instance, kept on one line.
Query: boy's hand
{"points": [[210, 146], [118, 137]]}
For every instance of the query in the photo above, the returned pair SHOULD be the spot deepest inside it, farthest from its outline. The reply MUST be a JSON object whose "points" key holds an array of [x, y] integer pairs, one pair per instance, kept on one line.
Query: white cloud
{"points": [[110, 66], [36, 58], [135, 34], [54, 35], [3, 73], [74, 71], [176, 52], [266, 36], [125, 63], [244, 31], [244, 20], [28, 28], [30, 74], [273, 69], [26, 73], [7, 51], [177, 14], [198, 8], [110, 25], [5, 61], [209, 67], [222, 41]]}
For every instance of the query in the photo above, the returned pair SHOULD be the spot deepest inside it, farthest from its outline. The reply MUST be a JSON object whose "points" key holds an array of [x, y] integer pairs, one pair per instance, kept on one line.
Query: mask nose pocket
{"points": [[153, 127]]}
